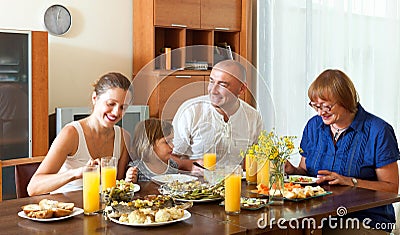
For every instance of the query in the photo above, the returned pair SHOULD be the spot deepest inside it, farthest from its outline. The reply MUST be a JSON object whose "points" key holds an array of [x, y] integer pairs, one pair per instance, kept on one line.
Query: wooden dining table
{"points": [[206, 217]]}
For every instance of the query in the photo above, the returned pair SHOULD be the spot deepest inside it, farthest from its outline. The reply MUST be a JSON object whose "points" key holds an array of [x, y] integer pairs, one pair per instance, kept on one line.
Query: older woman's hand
{"points": [[333, 178], [131, 174]]}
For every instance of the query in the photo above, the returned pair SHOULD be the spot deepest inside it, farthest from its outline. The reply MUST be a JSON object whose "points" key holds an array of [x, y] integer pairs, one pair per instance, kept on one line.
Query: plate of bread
{"points": [[49, 210]]}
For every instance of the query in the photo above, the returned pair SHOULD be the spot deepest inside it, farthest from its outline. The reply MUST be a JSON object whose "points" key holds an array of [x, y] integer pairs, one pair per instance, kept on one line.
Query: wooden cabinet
{"points": [[192, 29], [221, 14], [176, 89], [177, 13]]}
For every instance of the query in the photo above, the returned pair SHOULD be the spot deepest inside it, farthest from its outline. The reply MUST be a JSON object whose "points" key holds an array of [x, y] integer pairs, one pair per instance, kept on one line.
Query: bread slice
{"points": [[66, 205], [42, 214], [31, 208], [59, 212], [47, 204]]}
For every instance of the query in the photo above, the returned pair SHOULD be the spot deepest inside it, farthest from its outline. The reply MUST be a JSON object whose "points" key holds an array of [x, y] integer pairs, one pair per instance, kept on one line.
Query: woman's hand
{"points": [[131, 174], [289, 168], [333, 178]]}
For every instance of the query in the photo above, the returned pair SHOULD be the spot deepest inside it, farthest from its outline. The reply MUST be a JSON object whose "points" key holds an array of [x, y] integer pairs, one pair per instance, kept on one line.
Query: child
{"points": [[152, 150]]}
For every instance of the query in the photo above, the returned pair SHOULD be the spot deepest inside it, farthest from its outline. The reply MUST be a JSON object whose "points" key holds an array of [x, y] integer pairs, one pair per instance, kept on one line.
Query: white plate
{"points": [[186, 215], [313, 179], [197, 200], [136, 188], [75, 212], [172, 177]]}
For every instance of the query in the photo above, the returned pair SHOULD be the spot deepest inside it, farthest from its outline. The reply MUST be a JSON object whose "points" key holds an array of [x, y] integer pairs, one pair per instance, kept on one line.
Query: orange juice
{"points": [[263, 172], [108, 177], [251, 169], [91, 193], [232, 193], [209, 160]]}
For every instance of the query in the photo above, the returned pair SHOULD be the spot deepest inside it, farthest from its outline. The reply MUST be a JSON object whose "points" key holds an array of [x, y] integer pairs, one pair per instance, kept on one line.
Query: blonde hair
{"points": [[334, 85], [146, 134]]}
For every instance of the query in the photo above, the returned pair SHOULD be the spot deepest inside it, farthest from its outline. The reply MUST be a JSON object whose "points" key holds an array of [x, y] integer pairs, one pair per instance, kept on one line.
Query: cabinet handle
{"points": [[183, 76], [219, 28], [179, 25]]}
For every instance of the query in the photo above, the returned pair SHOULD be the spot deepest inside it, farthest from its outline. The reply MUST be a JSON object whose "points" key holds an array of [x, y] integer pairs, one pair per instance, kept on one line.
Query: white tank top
{"points": [[82, 156]]}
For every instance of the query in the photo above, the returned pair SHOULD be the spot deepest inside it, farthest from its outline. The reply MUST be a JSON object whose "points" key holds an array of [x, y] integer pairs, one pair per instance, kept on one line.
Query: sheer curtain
{"points": [[298, 39]]}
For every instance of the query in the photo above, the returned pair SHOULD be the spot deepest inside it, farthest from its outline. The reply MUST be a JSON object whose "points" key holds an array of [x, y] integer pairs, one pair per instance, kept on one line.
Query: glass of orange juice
{"points": [[91, 189], [263, 172], [233, 185], [209, 161], [251, 169], [108, 172]]}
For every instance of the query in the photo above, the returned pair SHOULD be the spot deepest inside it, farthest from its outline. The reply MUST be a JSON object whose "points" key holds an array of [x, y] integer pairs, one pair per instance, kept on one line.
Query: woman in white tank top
{"points": [[85, 141]]}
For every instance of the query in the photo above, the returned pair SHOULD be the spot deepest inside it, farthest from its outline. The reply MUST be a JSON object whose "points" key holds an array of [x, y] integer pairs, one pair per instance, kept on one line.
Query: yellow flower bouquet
{"points": [[273, 150]]}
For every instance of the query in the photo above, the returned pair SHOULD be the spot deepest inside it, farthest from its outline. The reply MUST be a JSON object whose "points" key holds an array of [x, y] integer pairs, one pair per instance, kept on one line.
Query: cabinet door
{"points": [[174, 90], [177, 13], [221, 14]]}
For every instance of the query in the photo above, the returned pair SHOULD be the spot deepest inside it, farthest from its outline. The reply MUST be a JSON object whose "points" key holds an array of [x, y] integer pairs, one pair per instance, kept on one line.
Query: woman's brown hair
{"points": [[334, 85], [113, 80]]}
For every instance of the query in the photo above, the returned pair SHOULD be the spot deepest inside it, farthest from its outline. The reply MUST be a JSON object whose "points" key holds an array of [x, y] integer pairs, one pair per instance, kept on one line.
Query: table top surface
{"points": [[206, 217]]}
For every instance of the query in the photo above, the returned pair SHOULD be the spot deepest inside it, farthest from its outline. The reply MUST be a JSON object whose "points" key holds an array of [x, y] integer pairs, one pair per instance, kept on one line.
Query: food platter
{"points": [[197, 200], [307, 198], [193, 191], [247, 203], [186, 216], [163, 179], [75, 212], [301, 179]]}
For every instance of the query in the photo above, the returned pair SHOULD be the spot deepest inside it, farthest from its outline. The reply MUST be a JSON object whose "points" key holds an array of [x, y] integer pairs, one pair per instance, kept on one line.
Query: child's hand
{"points": [[131, 174]]}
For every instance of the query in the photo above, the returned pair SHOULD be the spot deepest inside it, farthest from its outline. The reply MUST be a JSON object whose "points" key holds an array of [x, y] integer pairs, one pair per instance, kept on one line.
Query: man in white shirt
{"points": [[218, 122]]}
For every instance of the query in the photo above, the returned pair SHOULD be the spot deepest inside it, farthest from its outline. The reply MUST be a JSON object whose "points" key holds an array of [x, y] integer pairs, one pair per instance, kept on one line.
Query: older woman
{"points": [[346, 145]]}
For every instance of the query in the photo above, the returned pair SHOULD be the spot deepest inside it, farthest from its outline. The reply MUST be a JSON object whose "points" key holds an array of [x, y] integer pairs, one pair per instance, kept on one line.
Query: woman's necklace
{"points": [[337, 133]]}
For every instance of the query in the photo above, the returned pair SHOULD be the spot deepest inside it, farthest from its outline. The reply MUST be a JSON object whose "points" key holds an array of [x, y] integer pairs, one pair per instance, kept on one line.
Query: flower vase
{"points": [[276, 182]]}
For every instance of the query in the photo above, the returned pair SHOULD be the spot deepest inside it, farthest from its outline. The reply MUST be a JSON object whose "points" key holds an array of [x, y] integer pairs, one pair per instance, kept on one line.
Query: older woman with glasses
{"points": [[346, 145]]}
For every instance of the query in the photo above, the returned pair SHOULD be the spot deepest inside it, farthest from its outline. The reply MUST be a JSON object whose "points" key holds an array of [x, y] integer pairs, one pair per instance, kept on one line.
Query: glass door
{"points": [[14, 101]]}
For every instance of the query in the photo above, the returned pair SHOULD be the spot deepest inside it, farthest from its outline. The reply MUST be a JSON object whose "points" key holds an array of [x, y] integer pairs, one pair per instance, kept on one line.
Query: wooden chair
{"points": [[24, 170]]}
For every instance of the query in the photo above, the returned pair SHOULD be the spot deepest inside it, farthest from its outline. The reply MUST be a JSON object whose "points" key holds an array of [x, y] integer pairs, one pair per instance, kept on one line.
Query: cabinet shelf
{"points": [[191, 29]]}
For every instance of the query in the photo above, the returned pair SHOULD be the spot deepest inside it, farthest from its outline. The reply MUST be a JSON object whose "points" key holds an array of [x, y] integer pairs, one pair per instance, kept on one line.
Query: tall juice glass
{"points": [[233, 185], [108, 173], [209, 161], [91, 189], [263, 172], [251, 169]]}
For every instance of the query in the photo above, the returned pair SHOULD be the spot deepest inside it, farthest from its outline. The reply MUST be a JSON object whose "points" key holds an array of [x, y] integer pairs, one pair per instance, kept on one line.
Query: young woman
{"points": [[152, 150], [85, 141]]}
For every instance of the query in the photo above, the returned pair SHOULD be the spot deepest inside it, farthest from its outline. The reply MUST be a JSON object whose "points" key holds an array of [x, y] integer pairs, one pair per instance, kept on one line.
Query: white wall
{"points": [[99, 41]]}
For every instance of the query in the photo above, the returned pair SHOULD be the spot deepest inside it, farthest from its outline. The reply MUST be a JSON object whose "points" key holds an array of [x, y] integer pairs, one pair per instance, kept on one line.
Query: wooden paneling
{"points": [[143, 34], [177, 13], [40, 94], [174, 90], [221, 14]]}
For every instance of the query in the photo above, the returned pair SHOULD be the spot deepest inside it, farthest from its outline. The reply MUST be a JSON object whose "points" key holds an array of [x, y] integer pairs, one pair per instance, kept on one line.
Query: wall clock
{"points": [[57, 20]]}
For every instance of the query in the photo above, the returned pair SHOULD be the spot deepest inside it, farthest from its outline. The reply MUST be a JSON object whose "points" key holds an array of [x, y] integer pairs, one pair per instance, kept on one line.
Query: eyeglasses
{"points": [[322, 107]]}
